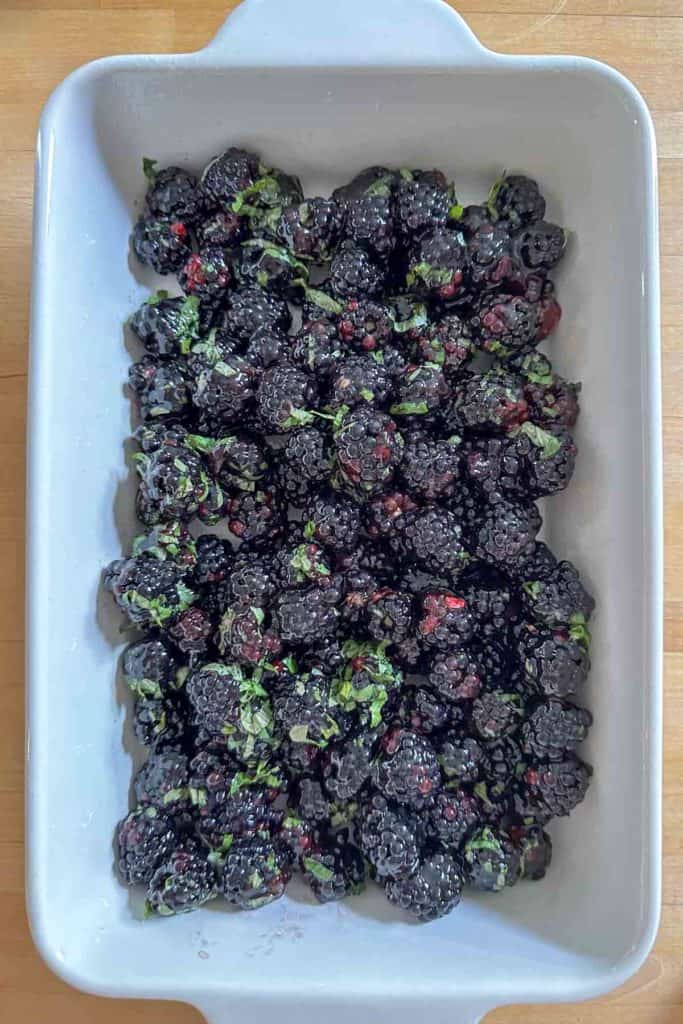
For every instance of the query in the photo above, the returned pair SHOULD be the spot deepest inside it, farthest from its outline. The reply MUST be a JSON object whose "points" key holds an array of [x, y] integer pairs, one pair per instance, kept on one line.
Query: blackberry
{"points": [[556, 660], [254, 307], [149, 668], [471, 218], [150, 592], [305, 464], [438, 268], [230, 802], [317, 348], [161, 242], [496, 713], [168, 542], [357, 380], [461, 758], [153, 436], [491, 860], [332, 521], [495, 663], [420, 391], [431, 468], [389, 838], [242, 636], [553, 401], [516, 200], [168, 327], [445, 622], [553, 728], [163, 780], [172, 192], [334, 871], [312, 229], [173, 485], [433, 538], [267, 347], [208, 275], [144, 838], [536, 851], [254, 873], [224, 384], [346, 767], [540, 246], [424, 201], [251, 580], [227, 175], [368, 448], [255, 517], [491, 260], [214, 691], [157, 722], [353, 273], [390, 616], [310, 800], [297, 837], [304, 616], [223, 228], [305, 711], [491, 598], [507, 532], [366, 325], [191, 630], [365, 181], [503, 765], [183, 882], [270, 266], [214, 559], [558, 597], [385, 512], [425, 712], [300, 564], [508, 324], [455, 675], [454, 816], [370, 221], [432, 892], [407, 770], [237, 461], [360, 587], [263, 201], [551, 790], [491, 402], [284, 399], [408, 654], [538, 562]]}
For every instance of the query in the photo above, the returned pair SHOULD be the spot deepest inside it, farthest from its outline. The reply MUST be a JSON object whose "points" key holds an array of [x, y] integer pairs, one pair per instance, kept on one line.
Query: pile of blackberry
{"points": [[353, 657]]}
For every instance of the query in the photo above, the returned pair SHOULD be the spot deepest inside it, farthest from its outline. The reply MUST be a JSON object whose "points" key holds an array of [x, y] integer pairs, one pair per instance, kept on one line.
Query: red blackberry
{"points": [[225, 176], [334, 871], [168, 327], [161, 242], [149, 668], [305, 711], [357, 380], [255, 517], [455, 675], [558, 597], [354, 274], [368, 448], [367, 683], [208, 275], [432, 537], [507, 532], [556, 660], [254, 307], [389, 837], [172, 192], [406, 769], [496, 713], [516, 200], [389, 616], [183, 882], [317, 348], [448, 343], [223, 228], [255, 873], [454, 816], [150, 592], [491, 860], [284, 399], [445, 621], [143, 839], [432, 892], [312, 229], [333, 522], [365, 325], [163, 780], [420, 391], [553, 728], [551, 790], [424, 201], [491, 402], [304, 616], [431, 468], [461, 758], [270, 266], [438, 268], [346, 767]]}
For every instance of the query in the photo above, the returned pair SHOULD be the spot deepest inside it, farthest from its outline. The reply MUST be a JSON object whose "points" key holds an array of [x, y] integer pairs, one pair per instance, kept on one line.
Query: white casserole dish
{"points": [[325, 88]]}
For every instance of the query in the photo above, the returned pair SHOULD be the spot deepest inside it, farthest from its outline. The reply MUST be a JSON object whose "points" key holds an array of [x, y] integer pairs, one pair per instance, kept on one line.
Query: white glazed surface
{"points": [[319, 92]]}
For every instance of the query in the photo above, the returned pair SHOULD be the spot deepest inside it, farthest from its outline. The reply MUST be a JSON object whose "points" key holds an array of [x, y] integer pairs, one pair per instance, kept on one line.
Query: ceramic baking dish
{"points": [[324, 88]]}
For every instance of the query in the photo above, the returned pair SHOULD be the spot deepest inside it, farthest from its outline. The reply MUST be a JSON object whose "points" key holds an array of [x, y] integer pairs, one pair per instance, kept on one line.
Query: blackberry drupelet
{"points": [[540, 246], [251, 580], [271, 266], [191, 630], [367, 683], [224, 384], [268, 346], [384, 513], [370, 221]]}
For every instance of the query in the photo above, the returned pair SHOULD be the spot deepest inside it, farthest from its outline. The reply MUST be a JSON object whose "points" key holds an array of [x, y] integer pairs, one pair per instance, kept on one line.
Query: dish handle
{"points": [[225, 1012], [353, 32]]}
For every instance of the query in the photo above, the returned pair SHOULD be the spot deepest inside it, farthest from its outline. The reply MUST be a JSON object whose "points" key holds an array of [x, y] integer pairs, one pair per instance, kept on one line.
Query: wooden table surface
{"points": [[40, 42]]}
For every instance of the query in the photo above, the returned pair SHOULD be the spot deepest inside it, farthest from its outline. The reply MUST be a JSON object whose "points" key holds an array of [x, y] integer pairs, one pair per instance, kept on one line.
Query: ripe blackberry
{"points": [[553, 728], [346, 767], [304, 616], [191, 630], [433, 538], [144, 838], [223, 228], [438, 267], [389, 837], [231, 803], [297, 565], [424, 200], [168, 327], [161, 242], [267, 347], [553, 401], [157, 722], [214, 559], [172, 192], [243, 638], [236, 461], [183, 882], [305, 711], [310, 801], [556, 660], [491, 402], [254, 873], [551, 790], [334, 871], [461, 757], [454, 816], [502, 767], [317, 348], [169, 542], [214, 691], [431, 468], [149, 668], [432, 892], [163, 780], [448, 343], [420, 391], [491, 860], [537, 563], [284, 399], [408, 654], [255, 517], [389, 616], [368, 681], [426, 712], [445, 621], [332, 521], [491, 258], [174, 485], [370, 557], [385, 512], [496, 713], [251, 580], [150, 592], [305, 464], [224, 384], [208, 275], [368, 448], [491, 598], [366, 326], [507, 532], [495, 663], [370, 221], [455, 675], [558, 597], [535, 851], [225, 176], [406, 769], [253, 307], [359, 588], [516, 200], [270, 266], [296, 836], [312, 229], [357, 380], [153, 436], [539, 247], [354, 274]]}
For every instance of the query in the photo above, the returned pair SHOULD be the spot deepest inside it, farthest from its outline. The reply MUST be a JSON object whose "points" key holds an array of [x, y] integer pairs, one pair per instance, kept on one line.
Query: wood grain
{"points": [[40, 42]]}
